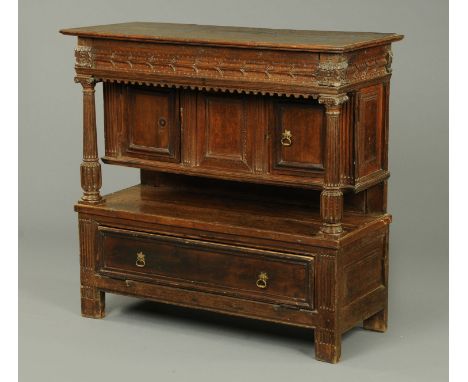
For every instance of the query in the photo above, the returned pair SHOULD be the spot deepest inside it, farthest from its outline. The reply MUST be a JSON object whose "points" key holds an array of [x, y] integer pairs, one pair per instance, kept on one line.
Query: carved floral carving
{"points": [[84, 56], [388, 66], [332, 74], [196, 62]]}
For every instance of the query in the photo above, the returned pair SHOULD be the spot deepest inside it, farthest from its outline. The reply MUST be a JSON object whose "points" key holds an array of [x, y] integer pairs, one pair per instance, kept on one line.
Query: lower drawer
{"points": [[216, 268]]}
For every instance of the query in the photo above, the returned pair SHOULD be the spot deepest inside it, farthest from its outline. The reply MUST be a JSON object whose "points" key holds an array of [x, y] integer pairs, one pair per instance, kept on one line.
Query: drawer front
{"points": [[216, 268], [153, 124], [298, 138]]}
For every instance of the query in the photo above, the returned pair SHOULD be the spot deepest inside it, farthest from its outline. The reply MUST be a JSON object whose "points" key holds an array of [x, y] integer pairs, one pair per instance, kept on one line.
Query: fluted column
{"points": [[91, 180], [331, 199]]}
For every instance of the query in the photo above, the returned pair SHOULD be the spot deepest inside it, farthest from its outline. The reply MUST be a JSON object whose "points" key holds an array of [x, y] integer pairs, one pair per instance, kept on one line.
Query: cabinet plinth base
{"points": [[237, 256]]}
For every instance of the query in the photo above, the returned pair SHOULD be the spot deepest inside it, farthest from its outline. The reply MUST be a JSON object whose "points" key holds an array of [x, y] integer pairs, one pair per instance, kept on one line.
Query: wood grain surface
{"points": [[236, 36]]}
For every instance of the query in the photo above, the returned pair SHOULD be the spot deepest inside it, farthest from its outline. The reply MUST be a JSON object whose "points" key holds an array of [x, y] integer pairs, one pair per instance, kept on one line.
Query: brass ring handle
{"points": [[262, 280], [286, 138], [140, 260]]}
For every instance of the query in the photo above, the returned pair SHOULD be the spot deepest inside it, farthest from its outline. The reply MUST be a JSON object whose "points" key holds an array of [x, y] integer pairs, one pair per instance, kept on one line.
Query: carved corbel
{"points": [[84, 57], [388, 66], [332, 73]]}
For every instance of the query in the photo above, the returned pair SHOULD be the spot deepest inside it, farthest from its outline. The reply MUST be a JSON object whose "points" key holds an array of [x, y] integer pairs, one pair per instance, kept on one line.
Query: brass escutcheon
{"points": [[262, 280], [140, 260], [286, 138]]}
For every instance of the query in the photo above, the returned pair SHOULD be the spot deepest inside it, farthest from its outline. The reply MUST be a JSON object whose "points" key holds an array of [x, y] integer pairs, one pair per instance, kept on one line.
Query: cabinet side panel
{"points": [[372, 200], [370, 135], [364, 278], [386, 89]]}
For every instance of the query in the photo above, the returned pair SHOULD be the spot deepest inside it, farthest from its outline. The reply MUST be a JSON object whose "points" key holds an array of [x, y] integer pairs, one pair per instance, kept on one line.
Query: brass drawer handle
{"points": [[140, 260], [286, 138], [262, 280]]}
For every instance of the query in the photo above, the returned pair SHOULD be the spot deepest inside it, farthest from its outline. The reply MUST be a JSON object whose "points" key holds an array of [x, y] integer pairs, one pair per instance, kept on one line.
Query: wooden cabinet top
{"points": [[288, 63], [281, 39]]}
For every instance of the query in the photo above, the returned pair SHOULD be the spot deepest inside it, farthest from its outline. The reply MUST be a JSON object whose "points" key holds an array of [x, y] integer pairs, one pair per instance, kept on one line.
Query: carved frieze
{"points": [[252, 70], [368, 64], [225, 65]]}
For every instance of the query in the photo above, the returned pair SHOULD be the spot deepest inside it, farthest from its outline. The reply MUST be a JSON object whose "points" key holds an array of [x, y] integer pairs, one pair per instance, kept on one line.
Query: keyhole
{"points": [[162, 122]]}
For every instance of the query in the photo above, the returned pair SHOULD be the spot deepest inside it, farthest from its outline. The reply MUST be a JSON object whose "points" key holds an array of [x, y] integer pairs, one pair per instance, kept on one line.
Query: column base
{"points": [[91, 199], [331, 229]]}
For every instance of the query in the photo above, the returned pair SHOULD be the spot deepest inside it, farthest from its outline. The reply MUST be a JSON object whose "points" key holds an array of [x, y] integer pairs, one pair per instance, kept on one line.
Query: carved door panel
{"points": [[225, 132], [369, 154], [153, 128], [298, 137]]}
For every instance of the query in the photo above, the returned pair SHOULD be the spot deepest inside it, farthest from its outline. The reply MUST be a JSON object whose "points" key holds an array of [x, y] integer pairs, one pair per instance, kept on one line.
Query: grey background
{"points": [[150, 340]]}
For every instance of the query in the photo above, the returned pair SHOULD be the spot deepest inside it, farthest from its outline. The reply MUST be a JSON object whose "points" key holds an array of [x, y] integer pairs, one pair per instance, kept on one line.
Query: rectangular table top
{"points": [[283, 39]]}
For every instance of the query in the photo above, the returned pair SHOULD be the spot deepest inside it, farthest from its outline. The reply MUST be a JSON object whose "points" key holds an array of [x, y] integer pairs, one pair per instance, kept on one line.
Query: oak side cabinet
{"points": [[263, 162]]}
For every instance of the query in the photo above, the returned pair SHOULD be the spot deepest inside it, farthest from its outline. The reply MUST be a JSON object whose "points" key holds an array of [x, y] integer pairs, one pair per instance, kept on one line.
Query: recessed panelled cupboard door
{"points": [[298, 132], [153, 128]]}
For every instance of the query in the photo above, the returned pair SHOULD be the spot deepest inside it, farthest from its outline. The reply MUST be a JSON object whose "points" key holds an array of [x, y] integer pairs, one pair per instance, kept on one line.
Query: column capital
{"points": [[332, 101], [86, 81]]}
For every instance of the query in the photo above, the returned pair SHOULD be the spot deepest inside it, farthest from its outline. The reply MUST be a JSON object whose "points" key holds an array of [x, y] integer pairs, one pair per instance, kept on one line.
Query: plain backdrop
{"points": [[140, 340]]}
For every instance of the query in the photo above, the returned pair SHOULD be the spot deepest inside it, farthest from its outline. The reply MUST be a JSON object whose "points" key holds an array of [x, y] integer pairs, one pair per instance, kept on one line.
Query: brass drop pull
{"points": [[262, 280], [286, 138], [140, 260]]}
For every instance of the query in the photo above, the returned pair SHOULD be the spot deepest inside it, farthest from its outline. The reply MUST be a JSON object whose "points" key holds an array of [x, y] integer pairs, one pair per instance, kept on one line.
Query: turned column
{"points": [[91, 180], [331, 198]]}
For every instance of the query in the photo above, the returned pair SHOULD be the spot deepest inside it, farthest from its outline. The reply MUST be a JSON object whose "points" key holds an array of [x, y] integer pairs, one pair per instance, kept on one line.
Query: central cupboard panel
{"points": [[225, 137], [258, 138]]}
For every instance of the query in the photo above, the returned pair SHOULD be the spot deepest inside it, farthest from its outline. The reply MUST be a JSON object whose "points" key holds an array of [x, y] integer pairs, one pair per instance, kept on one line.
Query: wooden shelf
{"points": [[233, 211]]}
